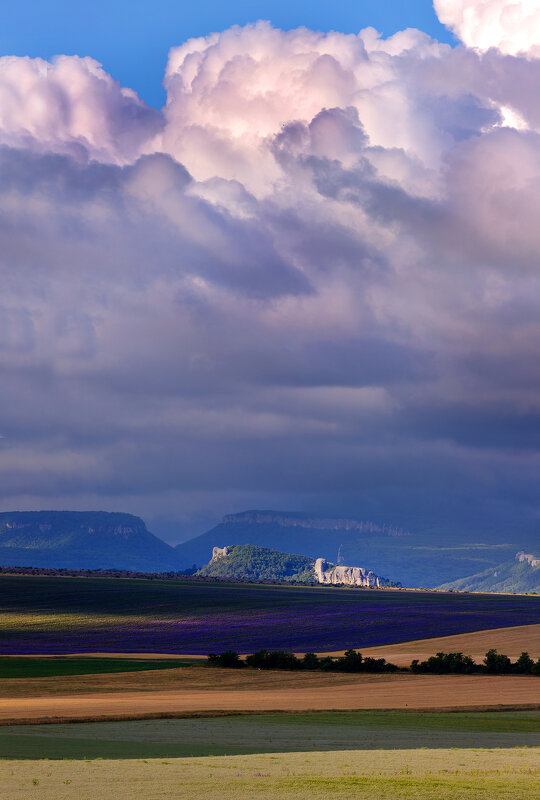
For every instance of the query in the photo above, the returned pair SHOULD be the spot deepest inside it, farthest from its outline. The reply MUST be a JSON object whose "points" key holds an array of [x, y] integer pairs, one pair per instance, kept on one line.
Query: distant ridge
{"points": [[82, 539], [299, 520], [105, 540]]}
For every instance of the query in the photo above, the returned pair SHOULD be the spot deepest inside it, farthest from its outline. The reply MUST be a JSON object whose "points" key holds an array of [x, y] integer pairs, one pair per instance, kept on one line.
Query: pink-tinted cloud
{"points": [[71, 106]]}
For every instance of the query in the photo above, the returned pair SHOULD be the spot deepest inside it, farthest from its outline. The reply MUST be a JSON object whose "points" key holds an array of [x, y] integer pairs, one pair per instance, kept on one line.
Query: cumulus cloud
{"points": [[229, 93], [311, 280], [512, 26], [71, 106]]}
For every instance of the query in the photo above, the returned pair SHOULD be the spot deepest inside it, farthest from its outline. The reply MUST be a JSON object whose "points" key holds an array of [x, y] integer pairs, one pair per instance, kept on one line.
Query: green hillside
{"points": [[517, 575], [250, 562]]}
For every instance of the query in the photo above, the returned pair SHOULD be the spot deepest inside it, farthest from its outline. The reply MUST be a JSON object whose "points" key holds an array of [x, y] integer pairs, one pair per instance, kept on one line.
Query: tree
{"points": [[310, 661], [229, 659], [524, 664], [497, 663]]}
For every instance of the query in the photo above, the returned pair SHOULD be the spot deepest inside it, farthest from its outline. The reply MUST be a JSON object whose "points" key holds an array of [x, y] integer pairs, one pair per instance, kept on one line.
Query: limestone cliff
{"points": [[220, 552], [326, 572], [528, 558]]}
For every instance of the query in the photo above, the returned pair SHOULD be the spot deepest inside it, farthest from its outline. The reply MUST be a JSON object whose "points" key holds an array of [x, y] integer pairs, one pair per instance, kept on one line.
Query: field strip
{"points": [[395, 692], [511, 641], [445, 774], [129, 656], [222, 714]]}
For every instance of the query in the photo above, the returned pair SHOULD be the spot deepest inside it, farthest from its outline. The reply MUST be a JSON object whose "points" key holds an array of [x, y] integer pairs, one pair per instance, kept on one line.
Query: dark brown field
{"points": [[197, 689]]}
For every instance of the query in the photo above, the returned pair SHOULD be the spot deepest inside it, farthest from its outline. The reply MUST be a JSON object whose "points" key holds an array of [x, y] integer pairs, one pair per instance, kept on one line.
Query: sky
{"points": [[132, 38], [309, 281]]}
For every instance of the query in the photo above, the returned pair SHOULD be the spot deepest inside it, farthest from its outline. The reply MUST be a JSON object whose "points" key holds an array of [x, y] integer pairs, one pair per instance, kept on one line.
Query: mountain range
{"points": [[411, 558], [103, 540]]}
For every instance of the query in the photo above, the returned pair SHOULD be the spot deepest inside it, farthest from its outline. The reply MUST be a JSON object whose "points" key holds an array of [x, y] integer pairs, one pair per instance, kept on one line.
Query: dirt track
{"points": [[360, 692]]}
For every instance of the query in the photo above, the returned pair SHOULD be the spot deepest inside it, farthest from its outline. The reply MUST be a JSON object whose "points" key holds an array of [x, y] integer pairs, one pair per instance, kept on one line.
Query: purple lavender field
{"points": [[77, 615]]}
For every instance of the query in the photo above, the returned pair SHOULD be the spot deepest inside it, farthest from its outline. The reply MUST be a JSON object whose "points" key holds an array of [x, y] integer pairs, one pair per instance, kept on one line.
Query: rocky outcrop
{"points": [[220, 552], [326, 572], [533, 561]]}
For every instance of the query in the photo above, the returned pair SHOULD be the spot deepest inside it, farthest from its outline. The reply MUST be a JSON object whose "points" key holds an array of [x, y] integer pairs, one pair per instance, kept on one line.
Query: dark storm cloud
{"points": [[316, 288]]}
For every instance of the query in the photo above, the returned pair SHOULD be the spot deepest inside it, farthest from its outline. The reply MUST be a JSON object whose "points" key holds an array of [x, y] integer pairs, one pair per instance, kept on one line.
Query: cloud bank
{"points": [[311, 280]]}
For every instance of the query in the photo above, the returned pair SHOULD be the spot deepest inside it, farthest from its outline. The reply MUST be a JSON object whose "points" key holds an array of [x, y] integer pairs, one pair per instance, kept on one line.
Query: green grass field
{"points": [[271, 733], [35, 667]]}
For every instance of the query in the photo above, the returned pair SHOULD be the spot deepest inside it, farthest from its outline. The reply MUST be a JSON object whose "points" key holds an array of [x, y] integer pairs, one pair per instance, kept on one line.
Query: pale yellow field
{"points": [[500, 774], [510, 641]]}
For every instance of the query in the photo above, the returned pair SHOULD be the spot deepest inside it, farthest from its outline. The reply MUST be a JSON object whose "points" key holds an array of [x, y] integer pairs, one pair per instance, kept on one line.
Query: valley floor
{"points": [[340, 751]]}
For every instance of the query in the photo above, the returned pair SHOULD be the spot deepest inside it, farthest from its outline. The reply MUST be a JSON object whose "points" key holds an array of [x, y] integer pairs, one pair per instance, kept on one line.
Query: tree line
{"points": [[352, 661]]}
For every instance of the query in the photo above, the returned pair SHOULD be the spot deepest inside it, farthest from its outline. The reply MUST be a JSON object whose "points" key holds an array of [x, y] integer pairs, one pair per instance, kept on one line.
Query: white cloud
{"points": [[512, 26], [229, 93]]}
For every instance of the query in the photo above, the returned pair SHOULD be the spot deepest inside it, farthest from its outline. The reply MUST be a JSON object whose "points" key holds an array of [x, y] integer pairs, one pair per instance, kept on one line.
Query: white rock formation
{"points": [[534, 561], [326, 572], [220, 552]]}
